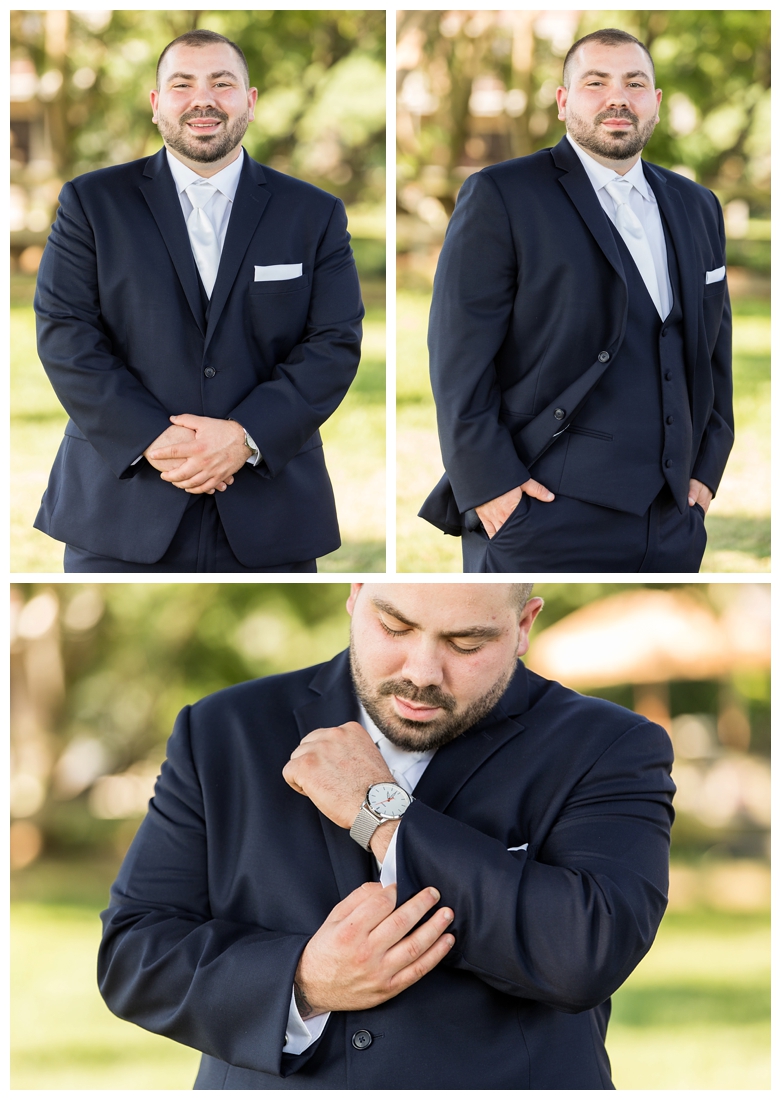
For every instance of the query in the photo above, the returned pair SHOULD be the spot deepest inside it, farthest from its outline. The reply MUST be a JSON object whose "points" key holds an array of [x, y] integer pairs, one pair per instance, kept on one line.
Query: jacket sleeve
{"points": [[563, 923], [283, 413], [474, 292], [116, 413], [167, 964], [719, 433]]}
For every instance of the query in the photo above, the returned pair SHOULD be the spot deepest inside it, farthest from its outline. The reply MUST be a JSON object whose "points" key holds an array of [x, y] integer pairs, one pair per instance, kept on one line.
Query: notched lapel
{"points": [[248, 206], [333, 704], [578, 186], [159, 190], [691, 277]]}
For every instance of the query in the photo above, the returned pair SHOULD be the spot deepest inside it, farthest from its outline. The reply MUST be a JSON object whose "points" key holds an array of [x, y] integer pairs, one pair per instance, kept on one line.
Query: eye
{"points": [[393, 633], [465, 649]]}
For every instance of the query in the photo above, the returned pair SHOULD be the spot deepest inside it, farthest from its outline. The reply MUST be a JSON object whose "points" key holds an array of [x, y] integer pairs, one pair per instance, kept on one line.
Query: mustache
{"points": [[617, 112], [428, 696], [208, 112]]}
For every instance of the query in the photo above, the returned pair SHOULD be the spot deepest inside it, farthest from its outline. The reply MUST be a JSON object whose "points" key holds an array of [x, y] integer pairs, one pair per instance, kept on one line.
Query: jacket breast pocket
{"points": [[279, 286]]}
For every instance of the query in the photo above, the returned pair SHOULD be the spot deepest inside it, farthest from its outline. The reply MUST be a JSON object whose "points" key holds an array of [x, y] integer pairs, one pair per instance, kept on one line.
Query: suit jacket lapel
{"points": [[455, 763], [159, 190], [578, 186], [334, 703], [673, 210], [248, 206]]}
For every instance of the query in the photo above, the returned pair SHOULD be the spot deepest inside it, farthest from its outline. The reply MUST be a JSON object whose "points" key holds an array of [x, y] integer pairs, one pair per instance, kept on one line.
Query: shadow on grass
{"points": [[746, 534], [682, 1005], [355, 557]]}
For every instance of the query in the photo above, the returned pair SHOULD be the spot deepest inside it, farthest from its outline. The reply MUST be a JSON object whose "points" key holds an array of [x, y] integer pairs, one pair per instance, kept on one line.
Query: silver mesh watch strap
{"points": [[364, 827]]}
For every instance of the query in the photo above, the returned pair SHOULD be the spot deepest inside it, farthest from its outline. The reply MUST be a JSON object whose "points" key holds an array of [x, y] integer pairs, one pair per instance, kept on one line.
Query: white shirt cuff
{"points": [[255, 458], [388, 871], [300, 1035]]}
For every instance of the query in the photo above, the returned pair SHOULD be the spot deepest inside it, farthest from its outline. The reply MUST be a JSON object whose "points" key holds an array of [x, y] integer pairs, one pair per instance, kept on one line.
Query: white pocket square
{"points": [[520, 848], [277, 272], [714, 276]]}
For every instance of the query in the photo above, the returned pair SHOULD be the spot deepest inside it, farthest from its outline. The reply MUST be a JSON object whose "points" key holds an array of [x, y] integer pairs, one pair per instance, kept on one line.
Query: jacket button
{"points": [[668, 375], [670, 419], [668, 463], [603, 356], [664, 332], [559, 414], [361, 1040], [209, 372]]}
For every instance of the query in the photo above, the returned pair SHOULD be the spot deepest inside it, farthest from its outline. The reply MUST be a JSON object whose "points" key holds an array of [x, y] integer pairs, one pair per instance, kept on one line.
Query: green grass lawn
{"points": [[738, 520], [354, 440], [694, 1015]]}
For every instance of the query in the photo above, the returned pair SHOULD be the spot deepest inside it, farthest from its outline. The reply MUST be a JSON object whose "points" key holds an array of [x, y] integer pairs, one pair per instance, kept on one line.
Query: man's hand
{"points": [[209, 459], [366, 952], [170, 437], [699, 494], [335, 767], [494, 513]]}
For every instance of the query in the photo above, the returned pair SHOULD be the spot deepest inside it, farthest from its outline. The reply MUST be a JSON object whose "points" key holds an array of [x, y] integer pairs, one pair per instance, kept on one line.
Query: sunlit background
{"points": [[477, 87], [79, 87], [99, 673]]}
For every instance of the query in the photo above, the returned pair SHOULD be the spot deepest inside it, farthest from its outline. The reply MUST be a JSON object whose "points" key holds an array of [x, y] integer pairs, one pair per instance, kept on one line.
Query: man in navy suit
{"points": [[417, 866], [199, 317], [580, 342]]}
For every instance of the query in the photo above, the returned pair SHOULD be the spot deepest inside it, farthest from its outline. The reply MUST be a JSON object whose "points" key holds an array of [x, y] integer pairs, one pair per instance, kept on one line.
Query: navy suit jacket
{"points": [[530, 289], [232, 872], [122, 335]]}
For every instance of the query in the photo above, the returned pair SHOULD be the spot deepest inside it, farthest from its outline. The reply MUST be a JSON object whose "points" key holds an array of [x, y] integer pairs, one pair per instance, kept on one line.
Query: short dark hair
{"points": [[607, 37], [519, 596], [199, 39]]}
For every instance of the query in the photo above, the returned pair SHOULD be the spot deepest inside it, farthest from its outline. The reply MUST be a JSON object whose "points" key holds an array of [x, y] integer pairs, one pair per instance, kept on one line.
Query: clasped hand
{"points": [[199, 454], [366, 951]]}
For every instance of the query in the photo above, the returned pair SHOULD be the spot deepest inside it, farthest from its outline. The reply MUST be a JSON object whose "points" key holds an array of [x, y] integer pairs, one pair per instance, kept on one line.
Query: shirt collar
{"points": [[226, 180], [394, 757], [599, 175]]}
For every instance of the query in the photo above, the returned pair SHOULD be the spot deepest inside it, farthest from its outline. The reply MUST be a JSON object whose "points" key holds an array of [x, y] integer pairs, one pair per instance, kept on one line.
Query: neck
{"points": [[210, 169], [619, 166]]}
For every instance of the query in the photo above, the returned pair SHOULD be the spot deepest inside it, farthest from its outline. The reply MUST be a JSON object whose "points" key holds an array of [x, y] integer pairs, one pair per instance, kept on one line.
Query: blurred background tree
{"points": [[79, 83], [99, 673], [477, 87]]}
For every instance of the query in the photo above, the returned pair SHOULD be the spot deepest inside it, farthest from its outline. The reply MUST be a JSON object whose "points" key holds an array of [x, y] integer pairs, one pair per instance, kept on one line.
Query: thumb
{"points": [[185, 420], [534, 489]]}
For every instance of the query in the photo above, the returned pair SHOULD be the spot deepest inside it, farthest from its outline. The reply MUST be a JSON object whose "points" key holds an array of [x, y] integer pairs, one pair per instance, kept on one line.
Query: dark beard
{"points": [[621, 145], [206, 149], [414, 736]]}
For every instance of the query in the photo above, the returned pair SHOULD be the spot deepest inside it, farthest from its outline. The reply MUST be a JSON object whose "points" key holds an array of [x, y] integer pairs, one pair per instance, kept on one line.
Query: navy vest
{"points": [[634, 432]]}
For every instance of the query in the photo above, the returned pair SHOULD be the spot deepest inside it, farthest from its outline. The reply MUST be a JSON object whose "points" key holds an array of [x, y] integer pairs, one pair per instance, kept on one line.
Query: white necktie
{"points": [[631, 229], [203, 239]]}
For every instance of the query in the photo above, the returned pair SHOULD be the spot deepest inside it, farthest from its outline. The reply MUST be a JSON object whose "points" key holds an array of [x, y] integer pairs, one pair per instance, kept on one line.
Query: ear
{"points": [[658, 103], [561, 100], [252, 99], [530, 612], [355, 588], [154, 99]]}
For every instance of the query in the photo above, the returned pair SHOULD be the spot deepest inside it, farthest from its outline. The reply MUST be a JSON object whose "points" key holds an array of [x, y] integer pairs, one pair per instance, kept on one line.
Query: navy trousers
{"points": [[199, 546], [568, 535]]}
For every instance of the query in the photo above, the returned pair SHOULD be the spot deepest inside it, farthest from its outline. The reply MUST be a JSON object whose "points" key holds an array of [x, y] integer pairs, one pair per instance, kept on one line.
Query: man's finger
{"points": [[533, 488], [418, 969], [402, 920], [363, 893], [176, 450], [414, 945]]}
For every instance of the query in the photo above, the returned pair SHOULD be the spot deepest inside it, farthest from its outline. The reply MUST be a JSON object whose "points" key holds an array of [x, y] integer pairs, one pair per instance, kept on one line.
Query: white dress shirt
{"points": [[643, 202], [406, 768]]}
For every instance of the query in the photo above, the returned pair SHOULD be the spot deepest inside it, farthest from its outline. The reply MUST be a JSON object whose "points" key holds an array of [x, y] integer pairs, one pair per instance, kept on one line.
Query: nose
{"points": [[616, 96], [423, 663]]}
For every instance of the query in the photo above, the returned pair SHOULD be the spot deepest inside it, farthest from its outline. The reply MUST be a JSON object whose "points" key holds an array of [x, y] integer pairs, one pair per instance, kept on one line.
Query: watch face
{"points": [[388, 799]]}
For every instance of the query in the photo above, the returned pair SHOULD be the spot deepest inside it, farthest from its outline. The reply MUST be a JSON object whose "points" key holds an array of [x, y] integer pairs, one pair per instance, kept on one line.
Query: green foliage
{"points": [[320, 75]]}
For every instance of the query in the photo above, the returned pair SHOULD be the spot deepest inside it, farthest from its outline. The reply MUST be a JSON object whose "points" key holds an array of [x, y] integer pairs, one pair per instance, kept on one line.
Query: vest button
{"points": [[603, 356], [664, 332], [209, 372], [559, 414], [670, 419], [668, 463], [668, 375], [361, 1040]]}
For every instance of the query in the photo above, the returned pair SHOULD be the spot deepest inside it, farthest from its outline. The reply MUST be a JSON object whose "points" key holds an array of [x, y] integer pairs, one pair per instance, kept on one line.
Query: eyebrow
{"points": [[191, 76], [606, 76], [467, 632]]}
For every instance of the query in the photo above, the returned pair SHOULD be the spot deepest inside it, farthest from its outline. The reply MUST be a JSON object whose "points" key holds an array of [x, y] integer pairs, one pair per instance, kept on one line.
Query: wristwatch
{"points": [[384, 802]]}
